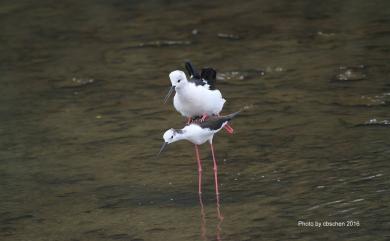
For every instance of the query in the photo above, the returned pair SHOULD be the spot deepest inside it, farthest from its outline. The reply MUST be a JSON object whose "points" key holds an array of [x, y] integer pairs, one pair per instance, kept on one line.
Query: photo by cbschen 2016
{"points": [[286, 104]]}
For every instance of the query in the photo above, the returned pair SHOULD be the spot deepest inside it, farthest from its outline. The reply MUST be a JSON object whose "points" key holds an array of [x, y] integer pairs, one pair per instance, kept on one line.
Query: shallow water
{"points": [[82, 119]]}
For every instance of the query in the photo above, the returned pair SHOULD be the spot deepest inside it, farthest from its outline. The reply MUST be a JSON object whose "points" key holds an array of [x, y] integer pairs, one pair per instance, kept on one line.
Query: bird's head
{"points": [[170, 136], [178, 78]]}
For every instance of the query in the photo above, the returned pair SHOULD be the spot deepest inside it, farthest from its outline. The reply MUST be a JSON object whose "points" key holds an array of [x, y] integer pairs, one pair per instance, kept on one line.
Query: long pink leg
{"points": [[199, 169], [215, 169]]}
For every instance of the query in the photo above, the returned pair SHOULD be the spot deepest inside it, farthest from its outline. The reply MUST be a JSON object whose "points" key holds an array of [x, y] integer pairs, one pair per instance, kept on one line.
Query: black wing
{"points": [[207, 76], [192, 71], [194, 75], [210, 75], [217, 122]]}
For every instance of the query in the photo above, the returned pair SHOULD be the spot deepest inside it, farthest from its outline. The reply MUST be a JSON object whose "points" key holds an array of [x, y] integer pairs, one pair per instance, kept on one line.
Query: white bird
{"points": [[196, 97], [192, 99], [199, 133]]}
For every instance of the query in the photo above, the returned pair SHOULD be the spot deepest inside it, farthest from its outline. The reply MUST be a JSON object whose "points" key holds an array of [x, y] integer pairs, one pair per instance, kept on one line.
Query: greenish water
{"points": [[82, 120]]}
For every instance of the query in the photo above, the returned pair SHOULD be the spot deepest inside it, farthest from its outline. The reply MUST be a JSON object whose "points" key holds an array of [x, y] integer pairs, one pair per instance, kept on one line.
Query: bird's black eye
{"points": [[179, 81], [172, 137]]}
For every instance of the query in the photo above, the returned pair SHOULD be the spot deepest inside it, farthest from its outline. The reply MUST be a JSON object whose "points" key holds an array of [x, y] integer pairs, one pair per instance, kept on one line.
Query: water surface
{"points": [[82, 119]]}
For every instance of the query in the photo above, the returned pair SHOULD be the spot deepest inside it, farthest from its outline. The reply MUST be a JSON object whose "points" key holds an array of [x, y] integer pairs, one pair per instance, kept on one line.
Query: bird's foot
{"points": [[204, 117], [228, 129], [189, 120]]}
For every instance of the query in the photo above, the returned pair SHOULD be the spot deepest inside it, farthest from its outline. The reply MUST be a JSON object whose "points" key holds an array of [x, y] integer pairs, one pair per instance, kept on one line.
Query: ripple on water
{"points": [[240, 75], [341, 205], [372, 177]]}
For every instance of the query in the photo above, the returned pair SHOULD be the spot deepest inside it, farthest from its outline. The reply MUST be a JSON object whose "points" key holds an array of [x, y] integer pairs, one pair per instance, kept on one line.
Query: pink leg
{"points": [[199, 169], [189, 120], [204, 117], [215, 170], [228, 129]]}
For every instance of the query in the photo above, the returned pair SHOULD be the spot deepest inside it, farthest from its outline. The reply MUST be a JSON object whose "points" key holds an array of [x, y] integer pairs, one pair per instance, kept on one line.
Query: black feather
{"points": [[207, 76], [191, 70], [215, 123], [210, 75]]}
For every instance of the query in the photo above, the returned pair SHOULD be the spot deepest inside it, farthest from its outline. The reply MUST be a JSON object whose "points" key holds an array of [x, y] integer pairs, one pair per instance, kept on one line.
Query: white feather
{"points": [[192, 100]]}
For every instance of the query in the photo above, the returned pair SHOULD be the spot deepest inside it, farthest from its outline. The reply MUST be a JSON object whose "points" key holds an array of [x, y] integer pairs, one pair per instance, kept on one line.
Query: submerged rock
{"points": [[161, 43], [239, 75], [375, 122], [271, 69], [350, 73], [76, 83], [323, 34], [81, 82], [228, 36], [381, 99]]}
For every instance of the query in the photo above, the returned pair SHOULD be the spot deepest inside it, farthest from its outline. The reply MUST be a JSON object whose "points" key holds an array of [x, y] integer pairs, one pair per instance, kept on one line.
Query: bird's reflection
{"points": [[203, 219], [220, 219]]}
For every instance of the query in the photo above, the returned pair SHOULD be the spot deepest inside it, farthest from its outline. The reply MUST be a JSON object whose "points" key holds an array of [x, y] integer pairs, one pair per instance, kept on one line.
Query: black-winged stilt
{"points": [[196, 97], [198, 133]]}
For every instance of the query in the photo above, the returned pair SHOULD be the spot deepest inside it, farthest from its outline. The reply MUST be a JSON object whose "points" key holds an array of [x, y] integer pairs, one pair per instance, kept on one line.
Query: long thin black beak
{"points": [[162, 148], [169, 94]]}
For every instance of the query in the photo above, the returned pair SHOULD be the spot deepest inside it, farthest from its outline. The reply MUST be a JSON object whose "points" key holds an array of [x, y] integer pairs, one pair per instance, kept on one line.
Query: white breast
{"points": [[193, 100], [197, 135]]}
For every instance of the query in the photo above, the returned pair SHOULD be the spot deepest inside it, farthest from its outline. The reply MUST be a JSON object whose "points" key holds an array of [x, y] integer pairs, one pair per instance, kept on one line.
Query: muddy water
{"points": [[82, 119]]}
